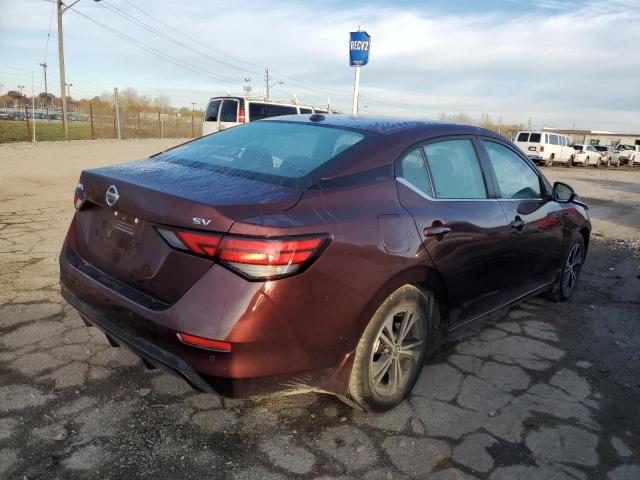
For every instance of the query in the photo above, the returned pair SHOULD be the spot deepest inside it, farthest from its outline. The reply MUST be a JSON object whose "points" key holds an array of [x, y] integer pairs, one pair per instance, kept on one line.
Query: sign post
{"points": [[359, 46]]}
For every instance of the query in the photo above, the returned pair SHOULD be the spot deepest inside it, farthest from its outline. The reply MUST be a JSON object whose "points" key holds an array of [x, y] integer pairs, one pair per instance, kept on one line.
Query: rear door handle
{"points": [[436, 231], [518, 224]]}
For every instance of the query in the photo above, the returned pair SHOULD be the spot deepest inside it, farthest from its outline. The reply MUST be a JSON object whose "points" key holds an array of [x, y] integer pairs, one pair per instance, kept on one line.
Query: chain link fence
{"points": [[96, 122]]}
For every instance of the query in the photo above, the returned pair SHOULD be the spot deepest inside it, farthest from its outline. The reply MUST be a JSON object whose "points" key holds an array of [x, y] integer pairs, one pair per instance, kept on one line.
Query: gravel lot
{"points": [[542, 391]]}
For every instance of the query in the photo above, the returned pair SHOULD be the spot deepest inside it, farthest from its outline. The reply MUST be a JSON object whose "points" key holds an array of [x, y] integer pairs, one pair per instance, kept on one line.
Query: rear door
{"points": [[229, 113], [535, 221], [443, 186], [211, 117]]}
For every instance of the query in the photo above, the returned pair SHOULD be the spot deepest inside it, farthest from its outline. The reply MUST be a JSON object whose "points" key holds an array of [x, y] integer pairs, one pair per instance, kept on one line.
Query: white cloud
{"points": [[557, 62]]}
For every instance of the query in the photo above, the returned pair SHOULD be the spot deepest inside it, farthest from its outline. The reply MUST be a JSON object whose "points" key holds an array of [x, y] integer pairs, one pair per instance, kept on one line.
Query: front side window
{"points": [[259, 149], [516, 179], [212, 111], [414, 171], [455, 170], [229, 111]]}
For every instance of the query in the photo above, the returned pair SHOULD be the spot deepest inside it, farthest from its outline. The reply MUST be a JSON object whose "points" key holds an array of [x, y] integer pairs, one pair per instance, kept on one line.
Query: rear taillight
{"points": [[268, 258], [542, 148], [254, 258], [204, 244], [241, 116], [78, 197]]}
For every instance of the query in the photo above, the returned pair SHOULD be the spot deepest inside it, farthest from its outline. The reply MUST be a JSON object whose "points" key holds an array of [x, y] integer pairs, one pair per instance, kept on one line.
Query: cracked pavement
{"points": [[542, 391]]}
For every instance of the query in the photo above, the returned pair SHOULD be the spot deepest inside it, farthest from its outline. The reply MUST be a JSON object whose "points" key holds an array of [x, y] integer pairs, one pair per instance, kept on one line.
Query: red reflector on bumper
{"points": [[202, 342]]}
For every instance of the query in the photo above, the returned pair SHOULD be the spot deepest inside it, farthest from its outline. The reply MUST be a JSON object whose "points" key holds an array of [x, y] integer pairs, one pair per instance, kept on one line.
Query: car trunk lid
{"points": [[116, 228]]}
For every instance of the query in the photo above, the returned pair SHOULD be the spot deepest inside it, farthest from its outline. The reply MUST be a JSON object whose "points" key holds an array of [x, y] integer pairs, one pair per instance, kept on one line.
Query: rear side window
{"points": [[414, 171], [229, 111], [523, 137], [553, 139], [212, 111], [259, 149], [258, 111], [305, 110], [455, 170], [516, 178], [534, 138]]}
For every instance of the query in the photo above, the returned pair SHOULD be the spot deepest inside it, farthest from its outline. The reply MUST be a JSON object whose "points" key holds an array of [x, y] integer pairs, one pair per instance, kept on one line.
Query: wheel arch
{"points": [[423, 277]]}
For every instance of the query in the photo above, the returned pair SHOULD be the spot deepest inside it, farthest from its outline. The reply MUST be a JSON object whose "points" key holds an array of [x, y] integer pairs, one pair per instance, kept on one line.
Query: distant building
{"points": [[596, 137]]}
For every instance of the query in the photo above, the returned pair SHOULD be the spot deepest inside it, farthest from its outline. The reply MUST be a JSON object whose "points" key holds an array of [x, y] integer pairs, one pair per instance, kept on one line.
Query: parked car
{"points": [[225, 112], [634, 156], [323, 252], [606, 151], [545, 148], [620, 154], [587, 155]]}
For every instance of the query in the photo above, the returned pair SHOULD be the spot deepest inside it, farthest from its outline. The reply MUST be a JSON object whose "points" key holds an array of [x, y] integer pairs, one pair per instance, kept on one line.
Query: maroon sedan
{"points": [[318, 252]]}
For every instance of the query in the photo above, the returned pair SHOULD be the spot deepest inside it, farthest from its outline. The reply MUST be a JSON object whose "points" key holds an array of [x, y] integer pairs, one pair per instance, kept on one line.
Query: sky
{"points": [[562, 64]]}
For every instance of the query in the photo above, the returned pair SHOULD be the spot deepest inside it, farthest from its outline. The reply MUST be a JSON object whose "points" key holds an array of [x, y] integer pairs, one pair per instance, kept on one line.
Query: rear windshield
{"points": [[258, 111], [534, 138], [273, 149], [523, 137]]}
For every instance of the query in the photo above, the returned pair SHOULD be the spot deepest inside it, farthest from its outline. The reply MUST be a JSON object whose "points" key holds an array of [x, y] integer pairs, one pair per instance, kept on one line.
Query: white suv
{"points": [[225, 112], [545, 147]]}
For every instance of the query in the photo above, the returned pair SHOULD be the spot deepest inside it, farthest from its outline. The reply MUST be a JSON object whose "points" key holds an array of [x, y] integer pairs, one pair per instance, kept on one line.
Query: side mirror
{"points": [[563, 192]]}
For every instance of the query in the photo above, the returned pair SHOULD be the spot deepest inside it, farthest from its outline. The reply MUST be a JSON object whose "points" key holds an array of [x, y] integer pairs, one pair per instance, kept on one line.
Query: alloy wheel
{"points": [[571, 269], [396, 352]]}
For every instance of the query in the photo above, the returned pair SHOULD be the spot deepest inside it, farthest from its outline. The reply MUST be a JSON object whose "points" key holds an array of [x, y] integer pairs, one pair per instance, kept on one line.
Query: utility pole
{"points": [[46, 90], [529, 123], [117, 109], [268, 84], [266, 81], [193, 108], [61, 9], [33, 107]]}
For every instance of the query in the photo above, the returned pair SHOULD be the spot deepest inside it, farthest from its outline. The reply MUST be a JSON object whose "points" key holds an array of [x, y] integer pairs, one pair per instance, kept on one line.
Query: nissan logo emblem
{"points": [[112, 195]]}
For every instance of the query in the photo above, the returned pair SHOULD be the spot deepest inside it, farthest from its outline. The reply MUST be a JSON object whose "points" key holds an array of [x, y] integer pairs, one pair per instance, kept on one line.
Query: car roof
{"points": [[388, 125]]}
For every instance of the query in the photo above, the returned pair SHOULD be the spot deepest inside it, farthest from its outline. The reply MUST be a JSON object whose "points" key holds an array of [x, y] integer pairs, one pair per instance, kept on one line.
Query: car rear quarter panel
{"points": [[326, 308]]}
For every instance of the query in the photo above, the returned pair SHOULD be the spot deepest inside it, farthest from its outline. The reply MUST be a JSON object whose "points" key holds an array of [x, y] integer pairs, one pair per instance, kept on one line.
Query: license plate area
{"points": [[124, 230], [532, 149]]}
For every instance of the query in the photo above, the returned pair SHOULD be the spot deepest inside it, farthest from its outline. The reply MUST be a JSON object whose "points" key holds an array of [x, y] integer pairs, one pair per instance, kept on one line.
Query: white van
{"points": [[228, 111], [546, 147]]}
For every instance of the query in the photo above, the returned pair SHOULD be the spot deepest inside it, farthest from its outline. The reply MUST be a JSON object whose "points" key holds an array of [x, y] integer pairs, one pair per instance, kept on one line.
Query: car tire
{"points": [[565, 284], [597, 165], [388, 362], [549, 161], [608, 164], [570, 162]]}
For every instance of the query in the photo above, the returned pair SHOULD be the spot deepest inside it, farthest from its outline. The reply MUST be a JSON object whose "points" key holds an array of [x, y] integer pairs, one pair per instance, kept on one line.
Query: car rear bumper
{"points": [[537, 158], [147, 351], [273, 346]]}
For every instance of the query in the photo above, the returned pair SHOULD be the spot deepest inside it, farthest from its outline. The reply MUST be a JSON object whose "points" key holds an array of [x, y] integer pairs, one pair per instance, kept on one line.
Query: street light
{"points": [[69, 85]]}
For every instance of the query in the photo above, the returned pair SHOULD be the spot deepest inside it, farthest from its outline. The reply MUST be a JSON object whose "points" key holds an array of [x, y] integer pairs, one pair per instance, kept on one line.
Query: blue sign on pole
{"points": [[359, 46]]}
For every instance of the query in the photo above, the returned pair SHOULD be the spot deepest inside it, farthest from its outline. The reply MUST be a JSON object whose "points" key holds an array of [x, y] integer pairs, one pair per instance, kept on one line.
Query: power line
{"points": [[121, 13], [306, 85], [156, 52], [193, 39]]}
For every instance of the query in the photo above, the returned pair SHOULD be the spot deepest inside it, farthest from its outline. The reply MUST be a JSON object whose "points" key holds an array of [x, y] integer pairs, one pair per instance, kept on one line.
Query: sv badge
{"points": [[200, 221]]}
